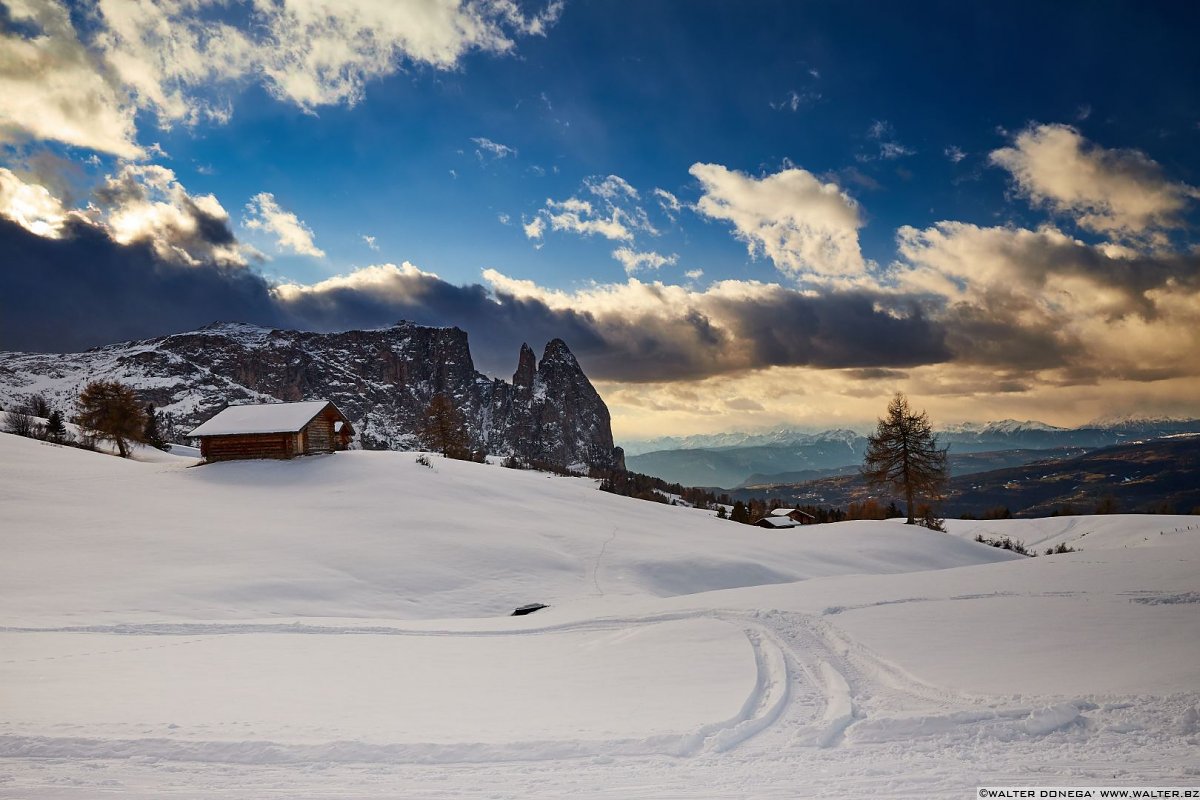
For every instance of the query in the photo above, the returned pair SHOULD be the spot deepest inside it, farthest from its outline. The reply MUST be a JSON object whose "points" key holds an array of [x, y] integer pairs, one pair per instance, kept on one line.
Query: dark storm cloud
{"points": [[840, 329], [661, 335], [84, 290], [496, 325]]}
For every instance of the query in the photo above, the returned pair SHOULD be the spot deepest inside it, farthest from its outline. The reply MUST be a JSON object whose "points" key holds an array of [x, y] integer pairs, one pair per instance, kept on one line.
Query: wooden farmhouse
{"points": [[274, 430]]}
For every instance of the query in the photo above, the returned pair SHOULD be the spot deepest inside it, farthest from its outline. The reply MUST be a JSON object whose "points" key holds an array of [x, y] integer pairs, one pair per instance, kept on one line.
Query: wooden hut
{"points": [[274, 430]]}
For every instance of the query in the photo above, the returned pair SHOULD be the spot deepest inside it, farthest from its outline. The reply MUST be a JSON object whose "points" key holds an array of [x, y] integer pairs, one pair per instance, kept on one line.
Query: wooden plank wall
{"points": [[318, 435], [264, 445]]}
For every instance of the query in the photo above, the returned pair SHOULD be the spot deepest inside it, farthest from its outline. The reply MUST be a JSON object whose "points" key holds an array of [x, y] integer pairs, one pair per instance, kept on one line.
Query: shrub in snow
{"points": [[1007, 543], [927, 516], [424, 461], [20, 423]]}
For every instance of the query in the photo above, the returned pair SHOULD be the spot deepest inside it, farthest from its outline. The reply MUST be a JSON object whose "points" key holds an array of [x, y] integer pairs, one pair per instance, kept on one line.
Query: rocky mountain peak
{"points": [[557, 352], [526, 368]]}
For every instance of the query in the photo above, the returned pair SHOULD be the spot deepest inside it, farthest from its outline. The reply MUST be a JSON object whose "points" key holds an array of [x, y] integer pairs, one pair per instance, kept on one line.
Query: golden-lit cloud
{"points": [[1044, 301], [1116, 192], [31, 205], [809, 229]]}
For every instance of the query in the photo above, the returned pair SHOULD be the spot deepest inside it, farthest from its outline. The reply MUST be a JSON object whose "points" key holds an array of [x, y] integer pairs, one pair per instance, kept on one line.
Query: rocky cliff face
{"points": [[381, 379]]}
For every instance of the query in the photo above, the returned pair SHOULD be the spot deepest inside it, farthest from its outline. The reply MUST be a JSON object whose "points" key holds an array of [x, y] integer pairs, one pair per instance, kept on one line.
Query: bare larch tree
{"points": [[903, 453]]}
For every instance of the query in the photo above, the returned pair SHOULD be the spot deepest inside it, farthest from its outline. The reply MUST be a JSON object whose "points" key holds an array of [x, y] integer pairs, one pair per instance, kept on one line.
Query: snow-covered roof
{"points": [[777, 522], [262, 418], [783, 512]]}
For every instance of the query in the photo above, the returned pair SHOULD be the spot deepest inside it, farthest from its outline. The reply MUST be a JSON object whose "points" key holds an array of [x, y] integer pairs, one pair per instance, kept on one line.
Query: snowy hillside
{"points": [[338, 626]]}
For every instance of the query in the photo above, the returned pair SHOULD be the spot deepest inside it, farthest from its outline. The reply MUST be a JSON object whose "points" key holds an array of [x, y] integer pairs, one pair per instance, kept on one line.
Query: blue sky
{"points": [[746, 164]]}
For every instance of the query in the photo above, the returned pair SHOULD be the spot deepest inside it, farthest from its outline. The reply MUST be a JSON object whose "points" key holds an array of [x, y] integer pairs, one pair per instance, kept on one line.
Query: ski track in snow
{"points": [[815, 687]]}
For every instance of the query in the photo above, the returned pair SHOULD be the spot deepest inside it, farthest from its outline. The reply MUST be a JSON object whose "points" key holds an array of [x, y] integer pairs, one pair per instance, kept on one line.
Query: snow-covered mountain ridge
{"points": [[787, 436], [382, 379]]}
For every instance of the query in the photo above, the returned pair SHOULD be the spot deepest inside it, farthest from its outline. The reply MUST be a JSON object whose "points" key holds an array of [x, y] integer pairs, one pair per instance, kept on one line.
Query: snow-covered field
{"points": [[337, 626]]}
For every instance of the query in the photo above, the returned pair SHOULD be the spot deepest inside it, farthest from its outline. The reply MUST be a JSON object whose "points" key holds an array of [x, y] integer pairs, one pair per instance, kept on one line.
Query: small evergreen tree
{"points": [[721, 513], [903, 453], [110, 410], [56, 430], [151, 434], [740, 513]]}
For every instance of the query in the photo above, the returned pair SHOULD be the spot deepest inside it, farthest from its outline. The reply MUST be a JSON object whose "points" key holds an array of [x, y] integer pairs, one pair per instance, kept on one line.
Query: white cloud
{"points": [[308, 52], [891, 150], [54, 88], [809, 229], [794, 101], [1117, 192], [176, 59], [668, 202], [615, 215], [535, 228], [370, 242], [954, 153], [504, 219], [633, 260], [31, 206], [486, 148], [882, 132], [291, 234], [612, 188], [880, 129], [382, 281], [579, 216], [694, 274]]}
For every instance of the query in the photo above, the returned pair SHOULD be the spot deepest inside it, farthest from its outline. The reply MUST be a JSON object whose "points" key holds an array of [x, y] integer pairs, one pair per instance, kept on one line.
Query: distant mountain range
{"points": [[1145, 476], [787, 455]]}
